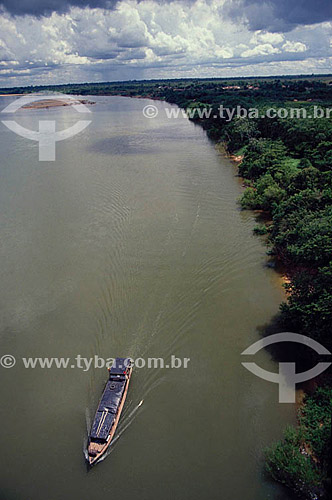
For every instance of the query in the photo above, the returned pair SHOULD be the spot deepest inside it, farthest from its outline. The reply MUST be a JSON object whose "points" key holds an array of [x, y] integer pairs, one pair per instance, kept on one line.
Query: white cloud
{"points": [[261, 50], [294, 46], [266, 37]]}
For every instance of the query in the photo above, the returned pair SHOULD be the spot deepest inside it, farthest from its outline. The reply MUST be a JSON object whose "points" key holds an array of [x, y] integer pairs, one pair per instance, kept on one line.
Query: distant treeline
{"points": [[181, 91]]}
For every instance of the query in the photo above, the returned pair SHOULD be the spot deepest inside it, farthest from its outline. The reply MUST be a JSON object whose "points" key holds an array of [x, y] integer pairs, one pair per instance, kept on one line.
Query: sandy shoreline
{"points": [[54, 103], [49, 103], [236, 158]]}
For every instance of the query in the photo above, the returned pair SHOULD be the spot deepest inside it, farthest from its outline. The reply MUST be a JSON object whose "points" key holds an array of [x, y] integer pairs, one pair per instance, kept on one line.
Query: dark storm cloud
{"points": [[273, 15], [39, 8], [279, 15], [46, 7]]}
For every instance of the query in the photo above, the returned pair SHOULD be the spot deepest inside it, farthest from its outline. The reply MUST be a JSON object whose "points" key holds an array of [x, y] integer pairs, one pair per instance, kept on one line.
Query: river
{"points": [[132, 243]]}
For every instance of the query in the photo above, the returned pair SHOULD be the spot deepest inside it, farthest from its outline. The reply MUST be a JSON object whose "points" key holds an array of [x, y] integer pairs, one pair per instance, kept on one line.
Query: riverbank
{"points": [[290, 180], [278, 184], [302, 461]]}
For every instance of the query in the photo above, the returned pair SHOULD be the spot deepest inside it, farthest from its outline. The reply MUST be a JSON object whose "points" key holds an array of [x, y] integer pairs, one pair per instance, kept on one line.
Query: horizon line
{"points": [[293, 76]]}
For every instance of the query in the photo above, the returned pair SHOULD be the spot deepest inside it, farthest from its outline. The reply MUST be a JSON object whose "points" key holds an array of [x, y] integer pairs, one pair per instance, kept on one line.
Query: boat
{"points": [[109, 409]]}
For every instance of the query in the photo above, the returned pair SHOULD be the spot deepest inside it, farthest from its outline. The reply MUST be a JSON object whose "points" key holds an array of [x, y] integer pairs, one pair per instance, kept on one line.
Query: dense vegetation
{"points": [[294, 461], [287, 167]]}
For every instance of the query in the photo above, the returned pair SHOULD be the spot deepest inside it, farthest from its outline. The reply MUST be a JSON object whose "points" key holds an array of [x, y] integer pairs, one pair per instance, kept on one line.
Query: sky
{"points": [[64, 41]]}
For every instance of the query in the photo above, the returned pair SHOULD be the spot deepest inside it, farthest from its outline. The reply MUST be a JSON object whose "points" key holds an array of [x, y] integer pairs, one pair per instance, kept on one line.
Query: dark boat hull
{"points": [[107, 416]]}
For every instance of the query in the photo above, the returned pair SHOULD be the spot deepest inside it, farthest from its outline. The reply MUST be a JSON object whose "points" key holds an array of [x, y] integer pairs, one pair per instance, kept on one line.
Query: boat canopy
{"points": [[102, 425], [120, 366], [111, 399], [107, 409]]}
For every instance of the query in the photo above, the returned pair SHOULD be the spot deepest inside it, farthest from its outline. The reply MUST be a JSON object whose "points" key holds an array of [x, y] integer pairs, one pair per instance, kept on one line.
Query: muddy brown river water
{"points": [[132, 243]]}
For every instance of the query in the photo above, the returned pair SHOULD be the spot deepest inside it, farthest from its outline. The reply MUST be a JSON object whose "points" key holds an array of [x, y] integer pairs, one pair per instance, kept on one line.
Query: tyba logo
{"points": [[46, 135], [287, 378]]}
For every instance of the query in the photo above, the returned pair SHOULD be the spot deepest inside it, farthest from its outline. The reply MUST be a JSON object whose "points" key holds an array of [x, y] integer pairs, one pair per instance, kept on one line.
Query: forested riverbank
{"points": [[287, 170]]}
